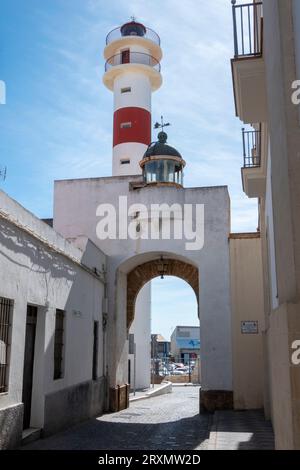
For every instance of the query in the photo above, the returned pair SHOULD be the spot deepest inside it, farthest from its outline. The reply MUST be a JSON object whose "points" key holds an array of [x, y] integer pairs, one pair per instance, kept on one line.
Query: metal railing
{"points": [[247, 31], [165, 368], [251, 148], [132, 58], [116, 34]]}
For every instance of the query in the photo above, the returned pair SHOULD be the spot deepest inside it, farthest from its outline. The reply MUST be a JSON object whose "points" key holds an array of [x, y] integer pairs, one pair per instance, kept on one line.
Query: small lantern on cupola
{"points": [[161, 163]]}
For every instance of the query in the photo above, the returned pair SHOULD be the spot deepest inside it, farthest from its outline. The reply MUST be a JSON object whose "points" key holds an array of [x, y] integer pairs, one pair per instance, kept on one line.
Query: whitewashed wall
{"points": [[39, 267]]}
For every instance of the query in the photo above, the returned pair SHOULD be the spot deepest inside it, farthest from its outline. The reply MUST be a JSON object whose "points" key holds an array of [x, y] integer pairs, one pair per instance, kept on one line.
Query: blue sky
{"points": [[57, 122]]}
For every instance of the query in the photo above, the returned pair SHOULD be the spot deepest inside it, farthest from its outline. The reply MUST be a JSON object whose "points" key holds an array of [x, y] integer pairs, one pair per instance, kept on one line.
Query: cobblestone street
{"points": [[166, 422]]}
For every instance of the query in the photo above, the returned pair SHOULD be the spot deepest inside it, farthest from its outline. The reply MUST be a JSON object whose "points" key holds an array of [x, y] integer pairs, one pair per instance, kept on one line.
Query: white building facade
{"points": [[266, 88], [51, 324]]}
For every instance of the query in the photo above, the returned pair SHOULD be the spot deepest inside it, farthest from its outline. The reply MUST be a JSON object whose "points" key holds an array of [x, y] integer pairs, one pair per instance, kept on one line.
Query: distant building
{"points": [[185, 343], [160, 347]]}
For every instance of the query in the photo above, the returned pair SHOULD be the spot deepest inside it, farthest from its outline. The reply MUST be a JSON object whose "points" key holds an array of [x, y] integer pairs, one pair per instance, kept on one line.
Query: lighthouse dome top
{"points": [[132, 28], [161, 147]]}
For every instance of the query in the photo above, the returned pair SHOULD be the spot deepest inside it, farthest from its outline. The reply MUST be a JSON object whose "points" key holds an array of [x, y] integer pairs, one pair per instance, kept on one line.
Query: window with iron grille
{"points": [[59, 344], [6, 307]]}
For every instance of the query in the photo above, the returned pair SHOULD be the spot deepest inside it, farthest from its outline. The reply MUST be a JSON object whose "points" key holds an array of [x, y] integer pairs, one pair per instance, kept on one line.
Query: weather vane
{"points": [[162, 125]]}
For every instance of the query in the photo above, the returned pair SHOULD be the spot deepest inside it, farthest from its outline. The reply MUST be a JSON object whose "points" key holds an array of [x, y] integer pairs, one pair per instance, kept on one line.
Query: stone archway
{"points": [[213, 305], [145, 272]]}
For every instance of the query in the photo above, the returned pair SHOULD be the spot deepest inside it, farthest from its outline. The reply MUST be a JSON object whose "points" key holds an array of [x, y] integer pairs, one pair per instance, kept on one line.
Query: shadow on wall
{"points": [[42, 261]]}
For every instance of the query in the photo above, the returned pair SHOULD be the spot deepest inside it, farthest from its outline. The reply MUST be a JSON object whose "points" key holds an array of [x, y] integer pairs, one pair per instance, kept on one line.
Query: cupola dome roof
{"points": [[161, 147]]}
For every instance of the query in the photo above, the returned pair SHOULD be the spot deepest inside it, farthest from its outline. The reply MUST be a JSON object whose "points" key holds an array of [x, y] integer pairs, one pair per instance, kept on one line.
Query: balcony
{"points": [[248, 69], [251, 148], [253, 172], [246, 29], [132, 29], [137, 62], [132, 58]]}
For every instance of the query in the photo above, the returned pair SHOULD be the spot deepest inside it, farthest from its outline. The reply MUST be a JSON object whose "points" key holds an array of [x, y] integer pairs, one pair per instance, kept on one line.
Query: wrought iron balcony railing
{"points": [[132, 58], [247, 31], [251, 148], [120, 32]]}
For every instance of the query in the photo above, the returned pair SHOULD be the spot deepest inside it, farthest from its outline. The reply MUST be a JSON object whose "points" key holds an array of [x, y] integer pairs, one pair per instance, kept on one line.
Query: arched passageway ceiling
{"points": [[143, 273]]}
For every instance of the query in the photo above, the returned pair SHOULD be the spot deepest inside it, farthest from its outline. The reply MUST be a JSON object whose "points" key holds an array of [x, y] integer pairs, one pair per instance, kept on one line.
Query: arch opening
{"points": [[145, 272]]}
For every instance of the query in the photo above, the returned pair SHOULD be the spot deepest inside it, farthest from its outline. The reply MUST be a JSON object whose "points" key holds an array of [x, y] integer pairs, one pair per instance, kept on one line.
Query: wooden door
{"points": [[125, 56]]}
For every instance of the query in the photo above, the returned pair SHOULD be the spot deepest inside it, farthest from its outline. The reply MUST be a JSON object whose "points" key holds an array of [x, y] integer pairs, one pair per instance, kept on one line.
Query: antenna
{"points": [[3, 173]]}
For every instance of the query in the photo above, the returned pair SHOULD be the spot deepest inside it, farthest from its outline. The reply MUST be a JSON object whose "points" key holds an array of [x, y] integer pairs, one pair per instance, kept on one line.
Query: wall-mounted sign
{"points": [[249, 327]]}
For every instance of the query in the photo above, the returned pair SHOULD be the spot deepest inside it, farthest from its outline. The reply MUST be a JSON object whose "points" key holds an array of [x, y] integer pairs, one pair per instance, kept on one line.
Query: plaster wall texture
{"points": [[281, 41], [280, 64], [247, 305]]}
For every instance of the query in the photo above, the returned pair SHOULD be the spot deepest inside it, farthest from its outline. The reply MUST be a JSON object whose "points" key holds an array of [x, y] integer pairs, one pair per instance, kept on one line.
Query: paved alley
{"points": [[165, 422], [168, 421]]}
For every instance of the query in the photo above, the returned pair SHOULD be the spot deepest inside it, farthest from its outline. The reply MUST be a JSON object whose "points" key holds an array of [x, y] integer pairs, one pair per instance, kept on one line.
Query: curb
{"points": [[166, 388], [185, 384]]}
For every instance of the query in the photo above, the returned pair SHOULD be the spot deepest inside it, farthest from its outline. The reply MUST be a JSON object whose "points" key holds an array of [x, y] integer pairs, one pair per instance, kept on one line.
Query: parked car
{"points": [[182, 369], [179, 364], [178, 372]]}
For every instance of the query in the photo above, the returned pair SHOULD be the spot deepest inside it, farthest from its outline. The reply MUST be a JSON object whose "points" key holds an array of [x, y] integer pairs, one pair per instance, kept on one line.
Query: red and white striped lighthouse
{"points": [[132, 72]]}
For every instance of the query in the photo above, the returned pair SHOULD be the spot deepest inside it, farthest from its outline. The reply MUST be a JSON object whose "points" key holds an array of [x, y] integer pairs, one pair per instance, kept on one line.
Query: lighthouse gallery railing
{"points": [[132, 58], [116, 34]]}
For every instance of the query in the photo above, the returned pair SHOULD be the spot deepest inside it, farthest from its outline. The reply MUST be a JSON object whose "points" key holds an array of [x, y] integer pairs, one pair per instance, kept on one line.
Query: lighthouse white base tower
{"points": [[140, 361]]}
